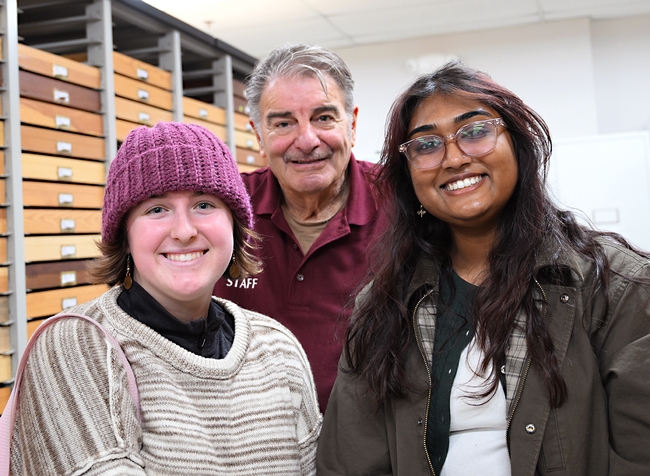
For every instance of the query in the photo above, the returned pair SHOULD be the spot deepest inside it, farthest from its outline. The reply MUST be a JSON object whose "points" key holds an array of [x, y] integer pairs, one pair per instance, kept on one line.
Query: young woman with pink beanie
{"points": [[222, 390]]}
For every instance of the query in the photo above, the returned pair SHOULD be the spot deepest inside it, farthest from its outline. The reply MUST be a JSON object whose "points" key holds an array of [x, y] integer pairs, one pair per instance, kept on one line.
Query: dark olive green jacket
{"points": [[603, 428]]}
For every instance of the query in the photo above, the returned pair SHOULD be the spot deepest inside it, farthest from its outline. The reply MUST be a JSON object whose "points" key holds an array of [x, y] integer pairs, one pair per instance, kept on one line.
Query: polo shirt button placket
{"points": [[300, 277]]}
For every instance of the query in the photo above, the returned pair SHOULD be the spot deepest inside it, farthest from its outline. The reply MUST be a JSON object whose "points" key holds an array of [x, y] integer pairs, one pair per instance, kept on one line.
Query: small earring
{"points": [[128, 282], [421, 211], [234, 270]]}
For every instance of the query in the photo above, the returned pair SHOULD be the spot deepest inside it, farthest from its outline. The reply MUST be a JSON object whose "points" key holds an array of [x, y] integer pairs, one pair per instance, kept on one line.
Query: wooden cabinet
{"points": [[48, 141], [136, 69], [53, 116], [55, 91], [59, 67], [56, 275]]}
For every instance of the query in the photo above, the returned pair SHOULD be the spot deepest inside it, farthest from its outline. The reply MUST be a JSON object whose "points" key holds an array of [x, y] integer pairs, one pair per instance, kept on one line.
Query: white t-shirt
{"points": [[477, 432]]}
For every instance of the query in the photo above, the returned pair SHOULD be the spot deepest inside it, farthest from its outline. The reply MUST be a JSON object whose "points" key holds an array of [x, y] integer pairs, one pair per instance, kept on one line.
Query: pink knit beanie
{"points": [[169, 157]]}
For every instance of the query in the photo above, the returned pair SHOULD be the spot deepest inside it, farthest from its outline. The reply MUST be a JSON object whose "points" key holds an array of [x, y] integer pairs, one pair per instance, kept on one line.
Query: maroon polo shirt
{"points": [[310, 294]]}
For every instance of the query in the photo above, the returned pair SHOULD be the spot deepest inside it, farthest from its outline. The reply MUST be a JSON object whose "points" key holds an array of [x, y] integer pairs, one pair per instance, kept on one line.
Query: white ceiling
{"points": [[258, 26]]}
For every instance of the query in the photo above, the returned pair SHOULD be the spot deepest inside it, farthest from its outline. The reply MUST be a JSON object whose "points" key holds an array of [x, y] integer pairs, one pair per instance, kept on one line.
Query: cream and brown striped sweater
{"points": [[255, 412]]}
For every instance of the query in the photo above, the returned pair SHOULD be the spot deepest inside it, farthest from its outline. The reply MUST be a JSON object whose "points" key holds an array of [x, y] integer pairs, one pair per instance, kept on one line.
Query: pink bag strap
{"points": [[9, 415]]}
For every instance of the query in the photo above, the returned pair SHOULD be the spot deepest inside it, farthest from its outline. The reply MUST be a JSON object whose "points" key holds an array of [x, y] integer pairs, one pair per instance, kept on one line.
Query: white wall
{"points": [[583, 77]]}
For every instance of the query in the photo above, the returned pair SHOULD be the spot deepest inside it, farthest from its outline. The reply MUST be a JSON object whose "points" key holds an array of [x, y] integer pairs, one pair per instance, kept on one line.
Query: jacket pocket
{"points": [[553, 457]]}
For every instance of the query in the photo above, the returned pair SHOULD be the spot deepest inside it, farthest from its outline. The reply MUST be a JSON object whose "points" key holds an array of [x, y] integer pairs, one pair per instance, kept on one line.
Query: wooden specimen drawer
{"points": [[3, 250], [58, 92], [133, 111], [246, 140], [33, 325], [5, 342], [4, 279], [137, 69], [5, 367], [5, 392], [250, 157], [45, 114], [216, 129], [2, 162], [48, 141], [3, 221], [142, 92], [204, 111], [239, 88], [122, 129], [3, 199], [49, 64], [48, 303], [241, 105], [55, 247], [45, 194], [47, 167], [56, 275], [242, 122], [39, 221], [4, 309], [2, 132]]}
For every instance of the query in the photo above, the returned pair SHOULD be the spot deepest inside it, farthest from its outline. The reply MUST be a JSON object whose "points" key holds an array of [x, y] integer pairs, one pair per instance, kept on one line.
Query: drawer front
{"points": [[204, 111], [3, 199], [241, 105], [238, 88], [216, 129], [48, 303], [58, 92], [56, 275], [2, 162], [53, 248], [142, 71], [57, 169], [4, 309], [122, 129], [44, 114], [5, 343], [246, 140], [48, 141], [48, 64], [242, 122], [4, 279], [39, 221], [132, 111], [3, 221], [5, 368], [2, 133], [142, 92], [5, 392], [62, 195], [250, 157], [3, 250]]}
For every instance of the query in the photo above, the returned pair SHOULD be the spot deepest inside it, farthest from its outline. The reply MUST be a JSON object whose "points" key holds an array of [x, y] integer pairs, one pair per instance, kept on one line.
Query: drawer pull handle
{"points": [[68, 302], [250, 159], [63, 147], [143, 94], [68, 251], [143, 74], [65, 173], [59, 71], [144, 118], [68, 278], [67, 224], [61, 96], [66, 199], [62, 122], [203, 114]]}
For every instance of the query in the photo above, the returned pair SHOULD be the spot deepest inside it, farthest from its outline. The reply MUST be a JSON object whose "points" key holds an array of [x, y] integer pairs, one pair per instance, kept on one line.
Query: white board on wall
{"points": [[607, 177]]}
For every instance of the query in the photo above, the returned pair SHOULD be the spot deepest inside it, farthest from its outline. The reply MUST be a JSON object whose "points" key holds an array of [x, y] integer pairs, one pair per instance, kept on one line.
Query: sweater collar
{"points": [[211, 337]]}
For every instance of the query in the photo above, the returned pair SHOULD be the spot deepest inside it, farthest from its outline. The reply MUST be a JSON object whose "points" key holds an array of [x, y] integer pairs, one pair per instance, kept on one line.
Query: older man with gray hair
{"points": [[314, 205]]}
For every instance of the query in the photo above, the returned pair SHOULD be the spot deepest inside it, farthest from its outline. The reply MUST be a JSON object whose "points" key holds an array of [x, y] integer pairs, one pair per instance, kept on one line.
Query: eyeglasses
{"points": [[474, 139]]}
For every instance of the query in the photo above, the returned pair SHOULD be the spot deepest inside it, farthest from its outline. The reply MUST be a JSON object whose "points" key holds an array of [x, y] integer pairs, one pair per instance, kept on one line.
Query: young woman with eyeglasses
{"points": [[498, 336]]}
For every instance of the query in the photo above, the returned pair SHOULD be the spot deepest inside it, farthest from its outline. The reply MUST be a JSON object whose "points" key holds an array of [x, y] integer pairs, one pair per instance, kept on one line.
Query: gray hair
{"points": [[298, 60]]}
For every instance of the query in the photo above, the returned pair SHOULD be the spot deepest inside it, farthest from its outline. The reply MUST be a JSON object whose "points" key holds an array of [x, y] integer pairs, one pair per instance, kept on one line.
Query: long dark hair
{"points": [[381, 330]]}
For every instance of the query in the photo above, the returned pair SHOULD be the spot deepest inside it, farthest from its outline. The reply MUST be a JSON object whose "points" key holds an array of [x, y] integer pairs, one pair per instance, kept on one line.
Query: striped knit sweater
{"points": [[255, 412]]}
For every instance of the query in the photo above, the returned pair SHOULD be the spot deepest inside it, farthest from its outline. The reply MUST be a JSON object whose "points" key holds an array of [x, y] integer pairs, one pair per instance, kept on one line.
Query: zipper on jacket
{"points": [[426, 364], [523, 379]]}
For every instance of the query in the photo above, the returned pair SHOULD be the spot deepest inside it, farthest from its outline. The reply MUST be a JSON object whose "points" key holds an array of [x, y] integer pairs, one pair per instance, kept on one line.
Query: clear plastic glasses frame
{"points": [[474, 139]]}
